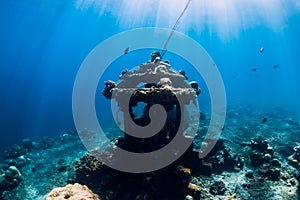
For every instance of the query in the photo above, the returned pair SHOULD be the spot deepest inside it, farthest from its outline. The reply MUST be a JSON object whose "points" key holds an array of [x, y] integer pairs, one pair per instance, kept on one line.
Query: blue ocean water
{"points": [[43, 44]]}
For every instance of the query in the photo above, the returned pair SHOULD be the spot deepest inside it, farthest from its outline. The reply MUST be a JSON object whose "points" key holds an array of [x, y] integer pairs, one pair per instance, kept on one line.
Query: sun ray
{"points": [[225, 18]]}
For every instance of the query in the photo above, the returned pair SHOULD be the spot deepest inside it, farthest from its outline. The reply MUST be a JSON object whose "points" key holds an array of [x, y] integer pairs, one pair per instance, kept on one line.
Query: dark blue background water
{"points": [[43, 43]]}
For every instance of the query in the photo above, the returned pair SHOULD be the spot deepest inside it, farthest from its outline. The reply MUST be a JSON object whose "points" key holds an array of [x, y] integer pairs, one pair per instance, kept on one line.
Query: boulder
{"points": [[72, 192]]}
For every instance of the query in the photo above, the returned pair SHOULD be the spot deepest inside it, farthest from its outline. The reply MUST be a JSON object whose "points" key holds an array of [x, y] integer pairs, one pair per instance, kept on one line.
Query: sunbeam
{"points": [[224, 18]]}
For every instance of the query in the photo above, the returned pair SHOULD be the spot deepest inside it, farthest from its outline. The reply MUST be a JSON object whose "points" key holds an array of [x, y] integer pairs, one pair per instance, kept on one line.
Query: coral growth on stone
{"points": [[218, 188], [161, 85], [72, 192], [10, 179], [295, 157], [262, 156], [238, 167]]}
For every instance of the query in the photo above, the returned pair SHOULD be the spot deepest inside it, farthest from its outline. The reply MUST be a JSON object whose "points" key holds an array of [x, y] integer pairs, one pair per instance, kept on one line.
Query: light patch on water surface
{"points": [[226, 18]]}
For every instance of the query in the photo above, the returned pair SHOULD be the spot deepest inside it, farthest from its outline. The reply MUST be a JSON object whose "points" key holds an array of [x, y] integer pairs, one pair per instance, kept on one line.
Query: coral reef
{"points": [[10, 179], [163, 86], [169, 183], [34, 170], [248, 162], [263, 157], [218, 188], [222, 159], [294, 161], [295, 157], [67, 161]]}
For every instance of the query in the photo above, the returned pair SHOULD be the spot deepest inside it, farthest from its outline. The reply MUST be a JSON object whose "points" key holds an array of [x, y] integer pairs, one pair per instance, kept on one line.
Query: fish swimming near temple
{"points": [[262, 50], [126, 51]]}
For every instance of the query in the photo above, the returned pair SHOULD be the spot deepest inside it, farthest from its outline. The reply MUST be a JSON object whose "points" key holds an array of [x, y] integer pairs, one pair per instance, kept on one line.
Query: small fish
{"points": [[275, 66], [254, 69], [126, 50], [264, 120], [262, 50]]}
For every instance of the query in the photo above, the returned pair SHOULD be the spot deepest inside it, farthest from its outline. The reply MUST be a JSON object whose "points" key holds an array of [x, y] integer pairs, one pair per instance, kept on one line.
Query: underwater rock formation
{"points": [[46, 143], [14, 152], [262, 156], [28, 144], [91, 171], [172, 182], [218, 188], [152, 83], [189, 178], [72, 192], [222, 159], [234, 169], [261, 152], [161, 85], [294, 160], [295, 157], [10, 179]]}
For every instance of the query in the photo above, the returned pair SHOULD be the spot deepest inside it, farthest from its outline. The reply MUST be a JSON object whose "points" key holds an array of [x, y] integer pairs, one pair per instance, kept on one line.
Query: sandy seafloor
{"points": [[50, 163]]}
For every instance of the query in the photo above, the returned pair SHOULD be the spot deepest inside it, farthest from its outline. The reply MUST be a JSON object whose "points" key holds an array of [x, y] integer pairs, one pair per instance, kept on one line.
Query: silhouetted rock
{"points": [[28, 144], [218, 188], [10, 179], [270, 172], [46, 143]]}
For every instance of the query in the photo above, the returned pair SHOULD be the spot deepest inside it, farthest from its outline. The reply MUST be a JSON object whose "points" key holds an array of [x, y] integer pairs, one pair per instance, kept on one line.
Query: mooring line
{"points": [[174, 28]]}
